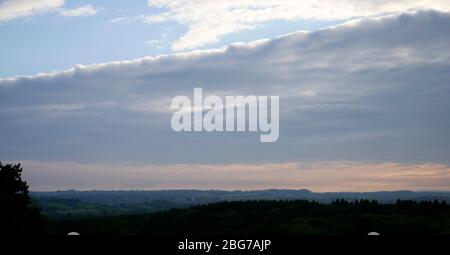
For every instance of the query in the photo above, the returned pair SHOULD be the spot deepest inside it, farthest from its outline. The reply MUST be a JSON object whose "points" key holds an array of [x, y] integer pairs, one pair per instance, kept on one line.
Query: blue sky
{"points": [[363, 86], [49, 42]]}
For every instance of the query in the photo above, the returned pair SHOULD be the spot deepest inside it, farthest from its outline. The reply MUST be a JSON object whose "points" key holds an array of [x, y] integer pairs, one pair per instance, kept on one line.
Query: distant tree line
{"points": [[276, 218]]}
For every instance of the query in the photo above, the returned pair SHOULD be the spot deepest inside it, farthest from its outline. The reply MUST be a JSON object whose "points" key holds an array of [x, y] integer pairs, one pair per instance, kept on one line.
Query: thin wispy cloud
{"points": [[208, 21], [87, 10], [15, 9]]}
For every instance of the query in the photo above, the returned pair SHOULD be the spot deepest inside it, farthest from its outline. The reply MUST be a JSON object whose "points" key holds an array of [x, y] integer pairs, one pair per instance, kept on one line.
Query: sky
{"points": [[86, 86], [104, 31]]}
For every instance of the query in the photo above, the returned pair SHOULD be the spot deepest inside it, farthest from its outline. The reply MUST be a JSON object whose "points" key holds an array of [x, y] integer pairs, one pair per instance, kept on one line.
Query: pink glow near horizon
{"points": [[319, 177]]}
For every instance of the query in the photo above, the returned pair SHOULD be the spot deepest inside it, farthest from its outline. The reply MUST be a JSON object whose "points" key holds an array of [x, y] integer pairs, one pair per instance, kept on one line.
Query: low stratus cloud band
{"points": [[374, 90]]}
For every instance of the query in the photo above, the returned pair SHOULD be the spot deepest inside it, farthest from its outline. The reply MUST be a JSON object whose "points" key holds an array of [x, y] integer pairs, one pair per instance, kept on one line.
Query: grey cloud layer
{"points": [[372, 90]]}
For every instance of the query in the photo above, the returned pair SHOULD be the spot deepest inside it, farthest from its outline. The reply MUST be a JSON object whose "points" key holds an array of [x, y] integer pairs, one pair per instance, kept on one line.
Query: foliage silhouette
{"points": [[275, 217], [18, 214]]}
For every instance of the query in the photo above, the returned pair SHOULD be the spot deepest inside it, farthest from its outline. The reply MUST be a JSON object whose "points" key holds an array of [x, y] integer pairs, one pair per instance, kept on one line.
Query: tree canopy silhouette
{"points": [[18, 215]]}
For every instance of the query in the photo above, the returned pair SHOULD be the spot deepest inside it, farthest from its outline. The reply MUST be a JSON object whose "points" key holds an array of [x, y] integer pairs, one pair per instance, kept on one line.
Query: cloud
{"points": [[375, 90], [207, 21], [13, 9], [86, 10], [319, 177], [126, 20], [155, 43], [159, 43]]}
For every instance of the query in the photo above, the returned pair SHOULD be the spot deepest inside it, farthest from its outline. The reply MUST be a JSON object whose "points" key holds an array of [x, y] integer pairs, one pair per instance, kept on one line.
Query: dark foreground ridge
{"points": [[299, 217]]}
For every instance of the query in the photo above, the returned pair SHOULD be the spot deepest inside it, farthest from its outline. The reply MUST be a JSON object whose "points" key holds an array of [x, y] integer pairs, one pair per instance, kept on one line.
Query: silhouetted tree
{"points": [[18, 215]]}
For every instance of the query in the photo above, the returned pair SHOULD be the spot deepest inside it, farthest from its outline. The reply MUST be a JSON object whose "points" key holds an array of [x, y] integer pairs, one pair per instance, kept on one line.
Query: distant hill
{"points": [[101, 203]]}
